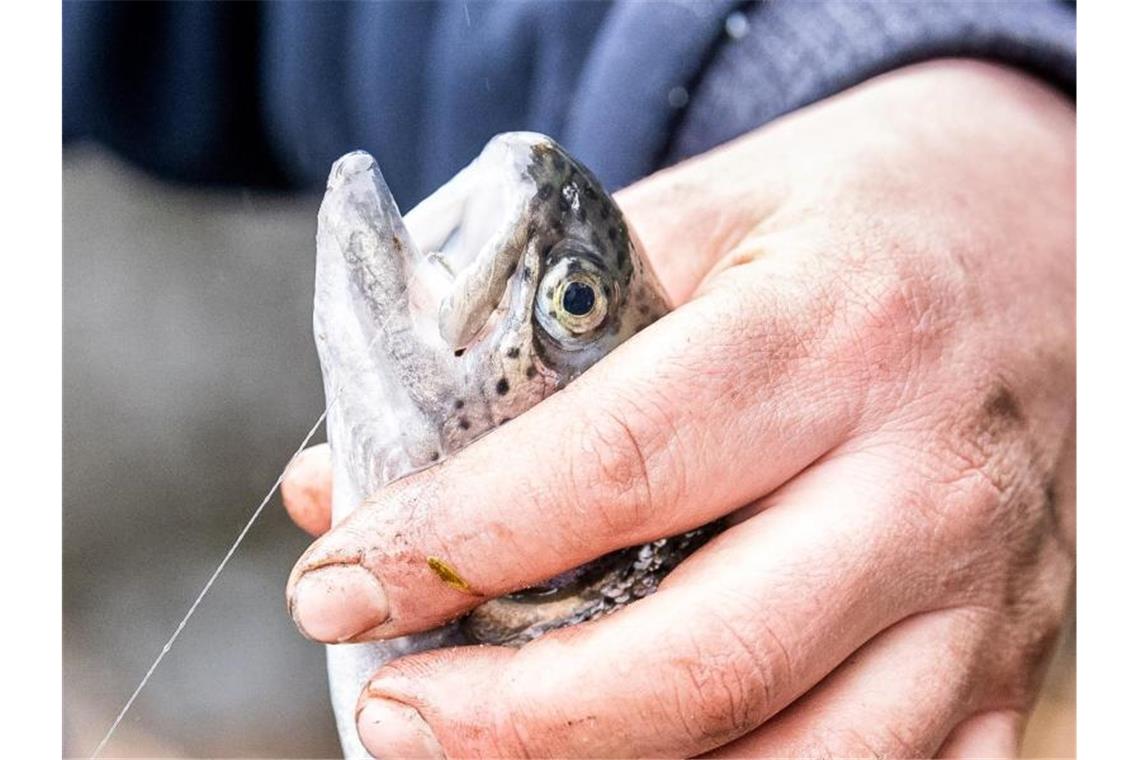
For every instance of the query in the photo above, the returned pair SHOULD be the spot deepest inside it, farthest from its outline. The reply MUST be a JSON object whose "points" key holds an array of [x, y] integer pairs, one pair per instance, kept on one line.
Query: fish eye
{"points": [[573, 300], [578, 298], [579, 302]]}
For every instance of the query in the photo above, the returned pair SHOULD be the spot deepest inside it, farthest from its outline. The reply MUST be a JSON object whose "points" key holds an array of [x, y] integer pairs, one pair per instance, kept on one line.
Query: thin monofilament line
{"points": [[205, 589]]}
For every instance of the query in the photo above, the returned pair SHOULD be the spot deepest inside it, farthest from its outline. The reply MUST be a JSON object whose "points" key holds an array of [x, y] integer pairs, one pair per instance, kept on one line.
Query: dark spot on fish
{"points": [[545, 191], [513, 352], [563, 204], [531, 228], [642, 309], [526, 274], [396, 242], [459, 352], [595, 240], [502, 387], [504, 421], [435, 456], [604, 211], [622, 256], [558, 161], [531, 371], [550, 294], [612, 234], [458, 403], [556, 227], [464, 423], [511, 269], [591, 193]]}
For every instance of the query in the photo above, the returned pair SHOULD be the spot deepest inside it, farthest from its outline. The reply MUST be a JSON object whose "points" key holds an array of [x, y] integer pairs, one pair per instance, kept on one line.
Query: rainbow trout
{"points": [[433, 329]]}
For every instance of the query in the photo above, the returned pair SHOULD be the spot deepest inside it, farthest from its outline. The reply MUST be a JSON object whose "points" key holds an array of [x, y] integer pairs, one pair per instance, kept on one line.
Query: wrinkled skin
{"points": [[434, 331], [870, 371]]}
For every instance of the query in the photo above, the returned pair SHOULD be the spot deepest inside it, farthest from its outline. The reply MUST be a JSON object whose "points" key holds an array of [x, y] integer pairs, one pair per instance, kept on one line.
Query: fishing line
{"points": [[205, 589], [381, 329]]}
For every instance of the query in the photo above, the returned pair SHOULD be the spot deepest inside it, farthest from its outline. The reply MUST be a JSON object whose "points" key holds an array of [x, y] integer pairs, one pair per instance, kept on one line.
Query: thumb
{"points": [[306, 490]]}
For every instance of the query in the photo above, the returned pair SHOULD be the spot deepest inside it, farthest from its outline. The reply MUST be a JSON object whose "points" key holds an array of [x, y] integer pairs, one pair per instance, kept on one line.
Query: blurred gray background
{"points": [[190, 377]]}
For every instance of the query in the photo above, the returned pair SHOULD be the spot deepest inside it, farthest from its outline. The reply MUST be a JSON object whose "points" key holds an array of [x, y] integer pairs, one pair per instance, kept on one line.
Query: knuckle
{"points": [[989, 463], [870, 316], [612, 475], [890, 321], [876, 265], [728, 686], [714, 706], [892, 304], [989, 510]]}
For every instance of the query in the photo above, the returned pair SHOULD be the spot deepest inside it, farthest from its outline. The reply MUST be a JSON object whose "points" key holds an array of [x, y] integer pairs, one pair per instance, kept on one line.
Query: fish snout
{"points": [[358, 200], [349, 166]]}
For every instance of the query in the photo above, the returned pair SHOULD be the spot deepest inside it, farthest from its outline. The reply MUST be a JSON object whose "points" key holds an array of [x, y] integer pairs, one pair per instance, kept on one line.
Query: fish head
{"points": [[547, 276]]}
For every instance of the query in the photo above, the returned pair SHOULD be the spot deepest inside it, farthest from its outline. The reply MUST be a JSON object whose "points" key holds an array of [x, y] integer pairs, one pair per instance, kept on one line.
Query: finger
{"points": [[996, 733], [898, 696], [757, 607], [306, 490], [646, 444]]}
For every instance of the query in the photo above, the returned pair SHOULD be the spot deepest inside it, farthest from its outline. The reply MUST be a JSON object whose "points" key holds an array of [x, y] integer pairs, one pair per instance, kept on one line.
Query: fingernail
{"points": [[392, 729], [336, 602]]}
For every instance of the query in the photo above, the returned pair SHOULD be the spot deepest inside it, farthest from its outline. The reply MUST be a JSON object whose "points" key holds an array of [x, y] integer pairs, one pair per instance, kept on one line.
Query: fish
{"points": [[435, 327]]}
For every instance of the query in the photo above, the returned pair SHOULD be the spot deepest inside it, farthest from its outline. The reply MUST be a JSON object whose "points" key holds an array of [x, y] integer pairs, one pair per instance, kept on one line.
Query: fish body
{"points": [[433, 329]]}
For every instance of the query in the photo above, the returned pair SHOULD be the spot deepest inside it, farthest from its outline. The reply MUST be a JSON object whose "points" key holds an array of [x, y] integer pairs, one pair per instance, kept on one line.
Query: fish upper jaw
{"points": [[349, 166]]}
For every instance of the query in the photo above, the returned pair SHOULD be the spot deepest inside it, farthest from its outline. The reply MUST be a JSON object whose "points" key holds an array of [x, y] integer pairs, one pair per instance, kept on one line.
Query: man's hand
{"points": [[872, 372]]}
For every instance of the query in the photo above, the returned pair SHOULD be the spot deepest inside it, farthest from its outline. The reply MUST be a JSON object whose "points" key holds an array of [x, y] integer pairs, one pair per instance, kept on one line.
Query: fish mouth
{"points": [[571, 597], [585, 593], [578, 582]]}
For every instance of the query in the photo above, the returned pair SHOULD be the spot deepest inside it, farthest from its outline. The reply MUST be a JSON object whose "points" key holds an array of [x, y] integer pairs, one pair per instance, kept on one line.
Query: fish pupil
{"points": [[578, 299]]}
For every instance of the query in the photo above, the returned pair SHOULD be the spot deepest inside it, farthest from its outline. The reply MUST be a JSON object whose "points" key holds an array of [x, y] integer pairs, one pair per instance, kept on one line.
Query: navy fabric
{"points": [[270, 94], [793, 54]]}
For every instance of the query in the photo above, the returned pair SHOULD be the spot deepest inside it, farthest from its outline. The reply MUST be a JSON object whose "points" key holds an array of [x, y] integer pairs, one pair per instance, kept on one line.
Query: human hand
{"points": [[871, 372]]}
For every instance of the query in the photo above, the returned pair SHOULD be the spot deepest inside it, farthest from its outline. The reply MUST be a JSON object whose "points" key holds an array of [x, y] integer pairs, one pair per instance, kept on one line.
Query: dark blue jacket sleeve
{"points": [[270, 94], [173, 87], [781, 56]]}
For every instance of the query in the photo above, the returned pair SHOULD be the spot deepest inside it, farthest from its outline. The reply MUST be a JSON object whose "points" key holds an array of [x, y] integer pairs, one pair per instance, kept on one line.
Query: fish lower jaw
{"points": [[585, 593]]}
